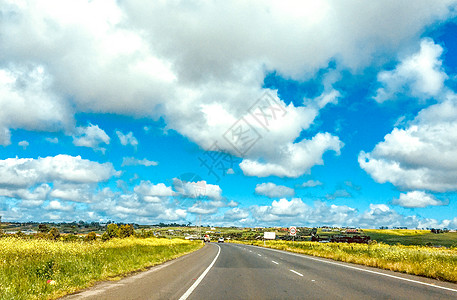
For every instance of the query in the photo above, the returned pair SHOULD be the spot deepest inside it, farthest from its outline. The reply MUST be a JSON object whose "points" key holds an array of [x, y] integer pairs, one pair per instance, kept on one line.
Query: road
{"points": [[232, 271]]}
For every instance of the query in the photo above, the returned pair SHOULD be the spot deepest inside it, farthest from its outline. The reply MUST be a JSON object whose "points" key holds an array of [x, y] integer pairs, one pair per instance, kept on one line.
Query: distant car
{"points": [[220, 240]]}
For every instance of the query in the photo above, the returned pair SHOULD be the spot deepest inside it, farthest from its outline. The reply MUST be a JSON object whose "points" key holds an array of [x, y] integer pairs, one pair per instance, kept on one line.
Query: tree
{"points": [[126, 231], [112, 230], [91, 236], [54, 233], [43, 228], [105, 236]]}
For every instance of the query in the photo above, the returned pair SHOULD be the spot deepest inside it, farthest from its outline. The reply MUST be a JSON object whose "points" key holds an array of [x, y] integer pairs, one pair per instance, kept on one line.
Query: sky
{"points": [[229, 113]]}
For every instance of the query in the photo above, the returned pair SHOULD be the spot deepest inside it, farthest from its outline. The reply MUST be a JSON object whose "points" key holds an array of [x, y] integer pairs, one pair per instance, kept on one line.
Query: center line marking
{"points": [[299, 274], [274, 262]]}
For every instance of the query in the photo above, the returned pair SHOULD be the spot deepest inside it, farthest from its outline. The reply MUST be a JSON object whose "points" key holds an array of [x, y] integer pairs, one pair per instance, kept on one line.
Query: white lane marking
{"points": [[196, 283], [364, 270], [259, 254], [313, 280], [299, 274], [274, 262]]}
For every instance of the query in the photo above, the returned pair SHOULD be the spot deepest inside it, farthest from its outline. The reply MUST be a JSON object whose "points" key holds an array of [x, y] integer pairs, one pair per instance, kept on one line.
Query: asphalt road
{"points": [[232, 271]]}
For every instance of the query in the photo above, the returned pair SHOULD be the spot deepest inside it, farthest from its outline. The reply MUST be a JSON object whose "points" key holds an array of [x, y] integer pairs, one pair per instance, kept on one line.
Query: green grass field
{"points": [[26, 266], [412, 237]]}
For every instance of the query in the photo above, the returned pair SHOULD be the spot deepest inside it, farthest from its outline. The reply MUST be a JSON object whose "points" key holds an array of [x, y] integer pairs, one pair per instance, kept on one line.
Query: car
{"points": [[220, 240]]}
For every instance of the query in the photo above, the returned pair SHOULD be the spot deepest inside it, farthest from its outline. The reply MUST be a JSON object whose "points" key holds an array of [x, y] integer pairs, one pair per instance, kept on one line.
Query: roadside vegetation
{"points": [[413, 237], [44, 268], [438, 263]]}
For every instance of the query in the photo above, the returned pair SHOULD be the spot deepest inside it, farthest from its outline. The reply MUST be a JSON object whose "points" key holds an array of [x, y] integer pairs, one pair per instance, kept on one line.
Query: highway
{"points": [[233, 271]]}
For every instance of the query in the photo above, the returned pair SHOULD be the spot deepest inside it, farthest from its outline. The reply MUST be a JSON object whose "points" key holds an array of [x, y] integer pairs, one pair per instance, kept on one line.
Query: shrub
{"points": [[43, 228], [91, 236], [54, 233], [105, 236], [112, 230], [70, 237], [126, 231]]}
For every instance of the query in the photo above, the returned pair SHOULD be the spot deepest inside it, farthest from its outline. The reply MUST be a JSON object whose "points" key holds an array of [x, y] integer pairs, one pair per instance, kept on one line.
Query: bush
{"points": [[105, 236], [70, 237], [91, 236], [54, 233], [112, 230], [126, 231]]}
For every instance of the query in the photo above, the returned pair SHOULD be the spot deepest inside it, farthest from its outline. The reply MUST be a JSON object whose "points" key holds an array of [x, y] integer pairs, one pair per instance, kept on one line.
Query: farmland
{"points": [[413, 237]]}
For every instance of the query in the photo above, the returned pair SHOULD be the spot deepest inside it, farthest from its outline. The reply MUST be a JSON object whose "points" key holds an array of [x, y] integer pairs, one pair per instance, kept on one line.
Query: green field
{"points": [[27, 266], [412, 237]]}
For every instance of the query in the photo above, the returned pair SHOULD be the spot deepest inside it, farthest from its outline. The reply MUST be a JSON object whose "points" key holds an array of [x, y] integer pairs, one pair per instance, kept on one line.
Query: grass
{"points": [[27, 265], [438, 263], [412, 237]]}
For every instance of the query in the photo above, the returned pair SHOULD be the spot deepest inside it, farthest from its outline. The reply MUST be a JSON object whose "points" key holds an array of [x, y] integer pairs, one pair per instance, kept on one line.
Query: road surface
{"points": [[233, 271]]}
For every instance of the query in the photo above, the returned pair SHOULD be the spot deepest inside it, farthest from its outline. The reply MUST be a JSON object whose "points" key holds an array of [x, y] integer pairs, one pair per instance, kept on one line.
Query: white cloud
{"points": [[294, 160], [153, 192], [28, 102], [127, 139], [26, 172], [177, 71], [52, 140], [73, 192], [23, 144], [341, 193], [272, 190], [91, 136], [423, 155], [236, 214], [311, 183], [132, 161], [419, 75], [196, 189], [56, 205], [417, 199]]}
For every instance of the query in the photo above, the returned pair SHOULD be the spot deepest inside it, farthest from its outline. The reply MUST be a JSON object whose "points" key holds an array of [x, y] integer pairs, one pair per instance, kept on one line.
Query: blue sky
{"points": [[268, 114]]}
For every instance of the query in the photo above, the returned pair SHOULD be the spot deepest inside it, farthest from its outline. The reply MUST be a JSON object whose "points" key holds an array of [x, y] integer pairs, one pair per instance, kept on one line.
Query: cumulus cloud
{"points": [[196, 189], [311, 183], [57, 205], [132, 161], [272, 190], [423, 155], [27, 101], [297, 159], [26, 172], [417, 199], [153, 192], [91, 136], [236, 214], [127, 139], [73, 192], [420, 75], [177, 71]]}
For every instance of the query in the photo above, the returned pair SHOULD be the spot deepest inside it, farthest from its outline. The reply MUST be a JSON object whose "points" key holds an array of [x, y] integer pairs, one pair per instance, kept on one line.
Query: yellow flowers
{"points": [[42, 269]]}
